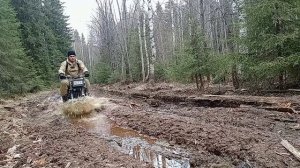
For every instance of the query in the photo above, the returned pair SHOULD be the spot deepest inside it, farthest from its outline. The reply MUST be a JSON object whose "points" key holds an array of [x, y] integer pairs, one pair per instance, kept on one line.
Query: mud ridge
{"points": [[203, 101], [35, 133], [217, 130]]}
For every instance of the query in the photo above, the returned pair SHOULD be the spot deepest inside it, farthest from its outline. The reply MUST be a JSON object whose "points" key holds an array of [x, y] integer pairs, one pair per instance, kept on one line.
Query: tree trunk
{"points": [[173, 29], [145, 41], [122, 55], [197, 81], [126, 75], [235, 78], [127, 62], [181, 28], [141, 44], [203, 35], [229, 35], [152, 42], [278, 47]]}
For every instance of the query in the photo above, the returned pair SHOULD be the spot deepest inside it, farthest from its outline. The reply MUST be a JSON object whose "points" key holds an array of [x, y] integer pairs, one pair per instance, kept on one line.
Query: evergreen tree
{"points": [[45, 34], [272, 38], [77, 43], [34, 31], [57, 22], [16, 71]]}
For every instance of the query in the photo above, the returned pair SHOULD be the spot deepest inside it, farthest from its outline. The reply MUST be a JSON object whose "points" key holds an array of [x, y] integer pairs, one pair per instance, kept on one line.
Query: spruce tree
{"points": [[45, 35], [57, 22], [16, 71], [272, 38], [34, 33]]}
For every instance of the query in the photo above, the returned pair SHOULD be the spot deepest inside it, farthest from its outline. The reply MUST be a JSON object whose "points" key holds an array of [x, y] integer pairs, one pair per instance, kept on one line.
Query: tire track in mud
{"points": [[230, 136], [45, 138], [214, 137]]}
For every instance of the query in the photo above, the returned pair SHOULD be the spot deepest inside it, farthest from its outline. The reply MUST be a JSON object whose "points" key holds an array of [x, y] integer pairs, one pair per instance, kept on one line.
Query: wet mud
{"points": [[130, 142], [146, 126], [217, 130], [36, 133]]}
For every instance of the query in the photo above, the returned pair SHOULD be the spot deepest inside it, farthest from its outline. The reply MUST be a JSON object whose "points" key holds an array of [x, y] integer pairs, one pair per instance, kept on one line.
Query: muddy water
{"points": [[130, 142]]}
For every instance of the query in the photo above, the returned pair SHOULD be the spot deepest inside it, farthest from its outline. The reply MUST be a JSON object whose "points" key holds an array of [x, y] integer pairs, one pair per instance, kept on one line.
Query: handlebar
{"points": [[63, 76], [74, 77]]}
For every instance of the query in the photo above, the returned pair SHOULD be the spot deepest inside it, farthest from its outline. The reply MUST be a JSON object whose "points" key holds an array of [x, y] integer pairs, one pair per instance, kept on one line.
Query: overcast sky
{"points": [[80, 13]]}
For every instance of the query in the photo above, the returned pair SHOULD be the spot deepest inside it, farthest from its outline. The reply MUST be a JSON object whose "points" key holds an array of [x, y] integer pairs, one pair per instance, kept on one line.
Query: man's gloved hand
{"points": [[62, 76], [86, 74]]}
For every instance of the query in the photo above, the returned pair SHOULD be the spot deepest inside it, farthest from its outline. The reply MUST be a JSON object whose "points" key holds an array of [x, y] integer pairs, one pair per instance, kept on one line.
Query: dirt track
{"points": [[210, 130]]}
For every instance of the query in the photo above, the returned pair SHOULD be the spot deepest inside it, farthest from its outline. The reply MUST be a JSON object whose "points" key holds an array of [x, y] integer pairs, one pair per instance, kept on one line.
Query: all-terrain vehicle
{"points": [[77, 88]]}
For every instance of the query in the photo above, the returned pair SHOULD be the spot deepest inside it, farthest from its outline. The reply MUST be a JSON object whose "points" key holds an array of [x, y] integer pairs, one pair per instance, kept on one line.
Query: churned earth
{"points": [[138, 125]]}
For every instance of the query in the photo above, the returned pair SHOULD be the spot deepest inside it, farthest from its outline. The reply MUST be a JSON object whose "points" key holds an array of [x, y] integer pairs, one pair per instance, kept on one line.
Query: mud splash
{"points": [[141, 147], [80, 107]]}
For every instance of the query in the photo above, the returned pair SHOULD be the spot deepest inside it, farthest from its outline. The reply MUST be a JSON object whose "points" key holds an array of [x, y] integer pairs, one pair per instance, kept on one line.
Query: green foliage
{"points": [[160, 72], [292, 66], [258, 74], [16, 72], [134, 56], [101, 74], [217, 65], [272, 40], [29, 59], [221, 66], [197, 49], [57, 22], [104, 75], [194, 59], [115, 77], [271, 25], [45, 35], [265, 74], [182, 68]]}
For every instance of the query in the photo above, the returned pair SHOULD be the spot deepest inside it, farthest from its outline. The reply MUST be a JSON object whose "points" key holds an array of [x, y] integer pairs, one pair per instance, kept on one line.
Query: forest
{"points": [[175, 84], [251, 44]]}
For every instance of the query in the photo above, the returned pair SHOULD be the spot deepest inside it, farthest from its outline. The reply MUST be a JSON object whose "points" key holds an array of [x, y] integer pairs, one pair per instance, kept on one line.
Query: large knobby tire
{"points": [[76, 94]]}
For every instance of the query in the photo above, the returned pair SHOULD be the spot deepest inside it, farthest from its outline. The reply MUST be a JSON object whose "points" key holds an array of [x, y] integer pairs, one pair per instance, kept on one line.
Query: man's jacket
{"points": [[73, 69]]}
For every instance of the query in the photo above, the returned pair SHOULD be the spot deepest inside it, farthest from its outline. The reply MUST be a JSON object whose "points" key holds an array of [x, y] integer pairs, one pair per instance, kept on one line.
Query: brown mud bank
{"points": [[35, 133], [144, 126], [216, 130]]}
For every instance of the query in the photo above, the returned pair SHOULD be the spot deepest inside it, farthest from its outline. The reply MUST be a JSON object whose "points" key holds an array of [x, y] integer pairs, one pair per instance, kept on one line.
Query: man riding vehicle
{"points": [[71, 68]]}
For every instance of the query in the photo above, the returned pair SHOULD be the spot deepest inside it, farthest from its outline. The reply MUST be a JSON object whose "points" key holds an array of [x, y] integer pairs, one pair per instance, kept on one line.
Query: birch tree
{"points": [[173, 27], [145, 40], [152, 42], [141, 40], [202, 37]]}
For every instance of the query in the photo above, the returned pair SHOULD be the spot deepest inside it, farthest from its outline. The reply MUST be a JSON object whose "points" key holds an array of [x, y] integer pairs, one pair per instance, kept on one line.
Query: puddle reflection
{"points": [[151, 156], [130, 142]]}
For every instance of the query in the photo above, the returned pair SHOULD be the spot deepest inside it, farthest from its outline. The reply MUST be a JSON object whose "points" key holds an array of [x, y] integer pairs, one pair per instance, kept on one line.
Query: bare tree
{"points": [[141, 41], [124, 36], [173, 28], [127, 41], [145, 41], [152, 42]]}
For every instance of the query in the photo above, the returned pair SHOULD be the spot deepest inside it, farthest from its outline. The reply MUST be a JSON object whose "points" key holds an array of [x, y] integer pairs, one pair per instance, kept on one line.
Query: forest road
{"points": [[150, 127]]}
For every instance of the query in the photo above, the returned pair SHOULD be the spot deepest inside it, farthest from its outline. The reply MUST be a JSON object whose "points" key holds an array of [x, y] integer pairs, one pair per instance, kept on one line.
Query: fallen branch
{"points": [[68, 165], [282, 154], [286, 120], [280, 109], [296, 127], [8, 108], [290, 148], [131, 105]]}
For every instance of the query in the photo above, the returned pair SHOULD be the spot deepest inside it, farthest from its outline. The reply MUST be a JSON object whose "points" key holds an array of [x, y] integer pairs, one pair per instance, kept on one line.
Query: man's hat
{"points": [[71, 53]]}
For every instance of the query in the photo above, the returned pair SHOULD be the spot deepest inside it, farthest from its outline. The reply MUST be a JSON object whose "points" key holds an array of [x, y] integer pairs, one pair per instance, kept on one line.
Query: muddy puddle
{"points": [[144, 148]]}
